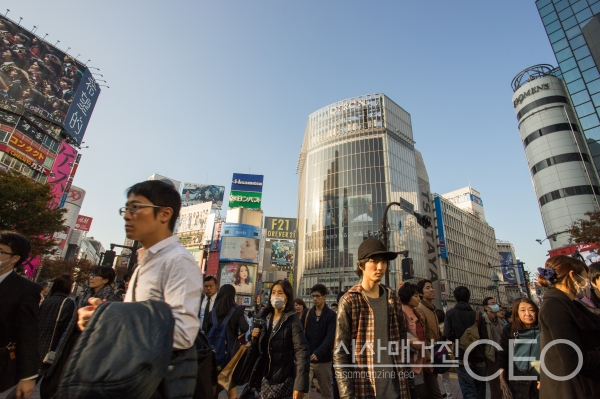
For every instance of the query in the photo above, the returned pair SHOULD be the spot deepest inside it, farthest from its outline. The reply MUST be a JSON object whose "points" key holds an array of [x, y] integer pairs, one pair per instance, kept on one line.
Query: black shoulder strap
{"points": [[306, 311]]}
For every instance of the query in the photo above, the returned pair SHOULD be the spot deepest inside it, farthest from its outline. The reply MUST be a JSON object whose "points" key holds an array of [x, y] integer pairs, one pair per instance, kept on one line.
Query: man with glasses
{"points": [[370, 331], [319, 327], [167, 271], [19, 357]]}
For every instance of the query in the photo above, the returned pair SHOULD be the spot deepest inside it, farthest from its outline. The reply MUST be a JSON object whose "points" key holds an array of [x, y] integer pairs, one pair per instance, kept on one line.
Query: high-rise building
{"points": [[358, 155], [467, 252], [559, 160], [572, 28], [510, 270], [468, 199]]}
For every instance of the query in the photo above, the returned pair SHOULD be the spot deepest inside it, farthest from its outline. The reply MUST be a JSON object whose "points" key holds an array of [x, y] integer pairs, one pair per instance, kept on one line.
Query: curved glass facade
{"points": [[357, 156]]}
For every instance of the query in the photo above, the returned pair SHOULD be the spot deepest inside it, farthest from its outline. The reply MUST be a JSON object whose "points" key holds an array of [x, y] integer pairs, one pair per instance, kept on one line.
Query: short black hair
{"points": [[289, 293], [508, 314], [334, 304], [320, 288], [594, 272], [211, 278], [440, 315], [462, 294], [421, 284], [105, 272], [18, 243], [407, 291], [63, 284], [161, 194], [486, 300]]}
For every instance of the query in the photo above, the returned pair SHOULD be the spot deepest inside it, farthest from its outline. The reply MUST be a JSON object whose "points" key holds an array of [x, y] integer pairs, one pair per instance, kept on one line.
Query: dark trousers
{"points": [[470, 387], [491, 368], [430, 388], [206, 378]]}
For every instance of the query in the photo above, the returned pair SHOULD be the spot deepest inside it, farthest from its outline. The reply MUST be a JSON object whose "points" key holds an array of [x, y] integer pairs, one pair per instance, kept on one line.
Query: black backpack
{"points": [[124, 352], [219, 339]]}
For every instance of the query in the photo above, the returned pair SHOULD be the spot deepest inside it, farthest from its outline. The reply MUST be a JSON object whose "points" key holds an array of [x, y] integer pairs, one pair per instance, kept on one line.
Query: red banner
{"points": [[84, 223]]}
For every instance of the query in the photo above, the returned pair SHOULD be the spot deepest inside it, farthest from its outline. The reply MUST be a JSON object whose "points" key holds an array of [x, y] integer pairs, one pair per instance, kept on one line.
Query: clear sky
{"points": [[200, 90]]}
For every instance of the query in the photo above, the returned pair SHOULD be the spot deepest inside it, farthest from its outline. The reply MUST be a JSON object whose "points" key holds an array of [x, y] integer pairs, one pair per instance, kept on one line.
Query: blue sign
{"points": [[476, 199], [239, 243], [521, 276], [82, 107], [508, 271], [440, 224], [242, 182], [63, 200]]}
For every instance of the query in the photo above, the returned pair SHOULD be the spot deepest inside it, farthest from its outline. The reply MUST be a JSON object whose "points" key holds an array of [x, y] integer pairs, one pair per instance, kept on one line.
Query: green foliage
{"points": [[80, 269], [24, 209]]}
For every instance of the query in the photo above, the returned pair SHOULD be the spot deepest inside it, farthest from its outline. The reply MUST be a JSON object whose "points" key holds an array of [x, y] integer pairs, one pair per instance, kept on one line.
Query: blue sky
{"points": [[200, 90]]}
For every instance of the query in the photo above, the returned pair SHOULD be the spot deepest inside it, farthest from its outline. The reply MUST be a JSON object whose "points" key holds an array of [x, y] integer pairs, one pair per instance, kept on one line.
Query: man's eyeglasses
{"points": [[5, 253], [136, 207]]}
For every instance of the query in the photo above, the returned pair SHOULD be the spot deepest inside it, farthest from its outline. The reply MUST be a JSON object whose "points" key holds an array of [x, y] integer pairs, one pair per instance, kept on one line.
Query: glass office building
{"points": [[573, 29], [357, 156]]}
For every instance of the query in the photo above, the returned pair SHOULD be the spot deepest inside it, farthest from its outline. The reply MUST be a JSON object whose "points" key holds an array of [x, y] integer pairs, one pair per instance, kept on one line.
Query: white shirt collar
{"points": [[162, 244]]}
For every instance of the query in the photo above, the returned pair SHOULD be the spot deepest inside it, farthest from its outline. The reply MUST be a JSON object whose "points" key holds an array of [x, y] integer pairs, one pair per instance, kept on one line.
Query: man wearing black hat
{"points": [[370, 331]]}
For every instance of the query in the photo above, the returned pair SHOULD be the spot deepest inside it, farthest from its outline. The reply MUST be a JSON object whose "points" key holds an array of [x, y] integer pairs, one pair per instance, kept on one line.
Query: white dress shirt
{"points": [[169, 273], [203, 310]]}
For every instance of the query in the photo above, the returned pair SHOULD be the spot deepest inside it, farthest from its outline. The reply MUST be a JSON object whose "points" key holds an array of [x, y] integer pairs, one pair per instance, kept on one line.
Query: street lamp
{"points": [[552, 236]]}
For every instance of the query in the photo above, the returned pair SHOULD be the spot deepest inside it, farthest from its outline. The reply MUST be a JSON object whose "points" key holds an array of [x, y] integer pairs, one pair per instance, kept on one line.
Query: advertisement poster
{"points": [[440, 224], [282, 253], [62, 90], [241, 275], [197, 193], [239, 243], [246, 191], [83, 223], [508, 271], [193, 218], [280, 227], [59, 176]]}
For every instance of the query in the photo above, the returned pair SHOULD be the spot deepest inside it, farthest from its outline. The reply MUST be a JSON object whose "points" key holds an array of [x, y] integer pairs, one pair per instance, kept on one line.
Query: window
{"points": [[593, 134], [584, 15], [576, 86], [596, 99], [580, 5], [595, 8], [567, 65], [594, 87], [561, 5], [580, 98], [559, 45], [572, 75], [559, 34], [546, 9], [586, 63], [566, 13], [589, 121], [577, 42], [581, 52], [569, 23], [553, 27], [564, 54], [549, 18], [590, 75], [574, 31], [585, 109]]}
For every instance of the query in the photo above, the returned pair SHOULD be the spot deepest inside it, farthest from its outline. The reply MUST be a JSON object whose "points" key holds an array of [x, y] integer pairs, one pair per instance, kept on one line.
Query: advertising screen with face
{"points": [[241, 275], [282, 253], [239, 249]]}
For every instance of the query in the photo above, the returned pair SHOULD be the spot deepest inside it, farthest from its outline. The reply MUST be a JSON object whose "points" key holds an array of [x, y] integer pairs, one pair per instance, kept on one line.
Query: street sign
{"points": [[407, 206]]}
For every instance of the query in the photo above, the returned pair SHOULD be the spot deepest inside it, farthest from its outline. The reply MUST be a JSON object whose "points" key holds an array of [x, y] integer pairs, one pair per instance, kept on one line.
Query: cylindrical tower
{"points": [[563, 175]]}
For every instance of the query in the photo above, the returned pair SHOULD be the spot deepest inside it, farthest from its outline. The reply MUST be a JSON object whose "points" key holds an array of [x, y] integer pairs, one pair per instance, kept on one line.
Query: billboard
{"points": [[508, 271], [280, 227], [162, 178], [59, 175], [282, 253], [197, 193], [440, 225], [239, 243], [246, 191], [241, 275], [83, 223], [193, 218], [75, 196], [43, 80]]}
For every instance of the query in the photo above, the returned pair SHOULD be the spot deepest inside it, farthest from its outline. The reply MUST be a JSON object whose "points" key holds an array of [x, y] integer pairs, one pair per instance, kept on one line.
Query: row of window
{"points": [[559, 127], [541, 102], [568, 192], [22, 168], [562, 158]]}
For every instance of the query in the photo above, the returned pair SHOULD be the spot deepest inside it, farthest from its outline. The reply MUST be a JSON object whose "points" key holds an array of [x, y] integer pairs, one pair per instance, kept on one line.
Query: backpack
{"points": [[470, 335], [219, 339], [131, 366]]}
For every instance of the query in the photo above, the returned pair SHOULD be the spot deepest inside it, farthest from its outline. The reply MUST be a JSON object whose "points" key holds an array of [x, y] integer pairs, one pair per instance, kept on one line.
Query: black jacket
{"points": [[320, 334], [49, 313], [563, 318], [458, 319], [279, 347], [19, 305], [237, 325]]}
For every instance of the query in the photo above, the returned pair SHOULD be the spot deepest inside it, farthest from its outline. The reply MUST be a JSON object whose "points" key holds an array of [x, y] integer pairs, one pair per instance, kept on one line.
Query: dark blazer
{"points": [[458, 319], [563, 318], [19, 301], [49, 310], [320, 334], [237, 325]]}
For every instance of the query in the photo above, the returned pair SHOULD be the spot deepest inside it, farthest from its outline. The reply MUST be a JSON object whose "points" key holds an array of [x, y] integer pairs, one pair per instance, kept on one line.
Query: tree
{"points": [[80, 269], [586, 231], [24, 209]]}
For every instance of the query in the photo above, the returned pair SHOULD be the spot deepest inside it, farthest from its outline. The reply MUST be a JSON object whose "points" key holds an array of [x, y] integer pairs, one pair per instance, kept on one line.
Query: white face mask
{"points": [[277, 302], [582, 290], [495, 308], [5, 263]]}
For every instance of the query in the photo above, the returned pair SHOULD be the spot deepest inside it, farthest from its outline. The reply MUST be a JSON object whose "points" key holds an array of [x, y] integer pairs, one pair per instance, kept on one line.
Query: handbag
{"points": [[225, 378], [277, 391], [49, 358]]}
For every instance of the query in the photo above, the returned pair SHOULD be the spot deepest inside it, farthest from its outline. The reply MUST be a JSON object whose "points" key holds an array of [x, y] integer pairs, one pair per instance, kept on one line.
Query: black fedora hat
{"points": [[371, 247]]}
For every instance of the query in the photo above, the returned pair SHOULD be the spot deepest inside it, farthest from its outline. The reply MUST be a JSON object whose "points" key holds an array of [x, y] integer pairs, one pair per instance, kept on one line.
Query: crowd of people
{"points": [[35, 74], [374, 342]]}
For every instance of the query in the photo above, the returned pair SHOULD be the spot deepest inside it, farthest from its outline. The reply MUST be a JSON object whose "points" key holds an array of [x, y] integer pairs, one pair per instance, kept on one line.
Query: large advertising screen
{"points": [[44, 80], [282, 253], [193, 218], [280, 227], [241, 275], [197, 193], [239, 243], [246, 191], [508, 270], [245, 182]]}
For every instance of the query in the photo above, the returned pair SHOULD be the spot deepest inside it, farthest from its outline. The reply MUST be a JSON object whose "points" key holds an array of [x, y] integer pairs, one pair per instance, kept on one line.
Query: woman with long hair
{"points": [[242, 280], [524, 326], [299, 306], [236, 326], [564, 318], [55, 314], [282, 369]]}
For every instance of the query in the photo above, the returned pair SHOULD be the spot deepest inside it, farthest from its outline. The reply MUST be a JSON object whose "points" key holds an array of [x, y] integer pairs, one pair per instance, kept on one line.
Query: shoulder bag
{"points": [[49, 358]]}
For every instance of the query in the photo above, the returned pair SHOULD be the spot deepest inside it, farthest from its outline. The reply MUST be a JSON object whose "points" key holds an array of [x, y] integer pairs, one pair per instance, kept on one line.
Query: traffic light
{"points": [[109, 258], [407, 269], [423, 220]]}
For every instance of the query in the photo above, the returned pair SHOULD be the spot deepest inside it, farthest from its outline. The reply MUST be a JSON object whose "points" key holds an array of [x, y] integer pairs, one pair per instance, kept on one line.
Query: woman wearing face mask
{"points": [[592, 299], [564, 318], [282, 370], [525, 326]]}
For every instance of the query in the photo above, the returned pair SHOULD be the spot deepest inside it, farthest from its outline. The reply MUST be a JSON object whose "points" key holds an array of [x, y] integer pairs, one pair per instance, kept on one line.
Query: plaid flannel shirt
{"points": [[362, 329]]}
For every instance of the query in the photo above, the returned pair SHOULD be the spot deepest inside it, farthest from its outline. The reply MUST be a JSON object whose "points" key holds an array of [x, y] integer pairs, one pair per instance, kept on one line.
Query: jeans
{"points": [[472, 388]]}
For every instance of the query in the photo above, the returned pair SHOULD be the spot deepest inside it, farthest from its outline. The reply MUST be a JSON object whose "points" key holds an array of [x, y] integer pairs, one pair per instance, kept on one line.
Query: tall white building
{"points": [[468, 199]]}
